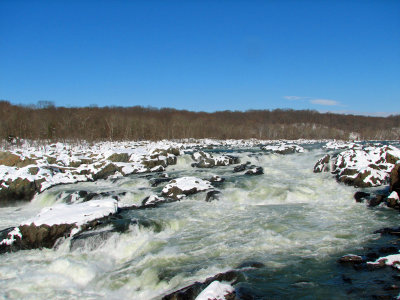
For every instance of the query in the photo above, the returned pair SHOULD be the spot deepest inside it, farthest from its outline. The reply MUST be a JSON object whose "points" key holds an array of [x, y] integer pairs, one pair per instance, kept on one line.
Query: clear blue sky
{"points": [[203, 55]]}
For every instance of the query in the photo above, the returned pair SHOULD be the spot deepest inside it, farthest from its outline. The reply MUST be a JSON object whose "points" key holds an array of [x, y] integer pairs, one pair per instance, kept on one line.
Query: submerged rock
{"points": [[212, 195]]}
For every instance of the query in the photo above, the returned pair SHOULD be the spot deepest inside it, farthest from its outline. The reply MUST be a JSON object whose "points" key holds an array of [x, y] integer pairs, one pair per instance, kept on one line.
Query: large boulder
{"points": [[395, 179], [55, 222], [368, 166], [184, 186], [211, 286], [20, 189], [206, 160], [12, 160], [119, 157], [106, 171]]}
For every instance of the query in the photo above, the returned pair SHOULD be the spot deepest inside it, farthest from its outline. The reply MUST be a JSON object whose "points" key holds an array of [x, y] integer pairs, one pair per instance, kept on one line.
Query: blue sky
{"points": [[341, 56]]}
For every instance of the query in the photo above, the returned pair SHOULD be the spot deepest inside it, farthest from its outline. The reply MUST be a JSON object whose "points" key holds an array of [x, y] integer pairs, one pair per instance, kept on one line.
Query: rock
{"points": [[192, 291], [393, 200], [107, 171], [18, 190], [366, 166], [89, 240], [389, 250], [157, 181], [206, 160], [251, 265], [323, 165], [390, 231], [184, 186], [152, 163], [33, 237], [119, 157], [395, 179], [216, 179], [255, 171], [152, 201], [217, 290], [212, 195], [12, 160], [283, 149], [240, 168], [376, 200], [361, 196], [351, 259]]}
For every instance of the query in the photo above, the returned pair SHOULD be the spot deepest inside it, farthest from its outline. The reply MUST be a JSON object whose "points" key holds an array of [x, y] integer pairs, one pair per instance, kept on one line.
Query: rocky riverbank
{"points": [[85, 215]]}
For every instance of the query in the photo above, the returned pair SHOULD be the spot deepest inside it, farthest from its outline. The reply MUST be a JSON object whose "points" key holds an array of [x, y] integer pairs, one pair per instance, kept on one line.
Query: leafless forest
{"points": [[46, 121]]}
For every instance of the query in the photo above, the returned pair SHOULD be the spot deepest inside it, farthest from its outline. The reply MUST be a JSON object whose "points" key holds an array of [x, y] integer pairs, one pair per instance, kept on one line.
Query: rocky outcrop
{"points": [[206, 160], [12, 160], [368, 166], [106, 171], [18, 190], [283, 148], [25, 172], [58, 221], [33, 237]]}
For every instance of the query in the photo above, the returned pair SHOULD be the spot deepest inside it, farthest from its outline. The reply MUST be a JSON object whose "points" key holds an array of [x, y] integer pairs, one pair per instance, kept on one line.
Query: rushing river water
{"points": [[296, 223]]}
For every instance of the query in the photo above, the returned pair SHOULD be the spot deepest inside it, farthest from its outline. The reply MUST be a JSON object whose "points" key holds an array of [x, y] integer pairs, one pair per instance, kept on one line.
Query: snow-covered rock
{"points": [[29, 170], [283, 148], [336, 145], [57, 221], [393, 200], [390, 260], [366, 167], [255, 171], [207, 160], [184, 186], [216, 290], [78, 214]]}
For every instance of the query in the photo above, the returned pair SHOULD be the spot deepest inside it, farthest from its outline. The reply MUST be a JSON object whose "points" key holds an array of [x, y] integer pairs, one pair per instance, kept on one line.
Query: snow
{"points": [[390, 260], [78, 214], [215, 290], [394, 196], [11, 239], [283, 147]]}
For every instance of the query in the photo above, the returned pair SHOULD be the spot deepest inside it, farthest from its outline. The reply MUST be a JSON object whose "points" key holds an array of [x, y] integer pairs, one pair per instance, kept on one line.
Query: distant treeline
{"points": [[46, 121]]}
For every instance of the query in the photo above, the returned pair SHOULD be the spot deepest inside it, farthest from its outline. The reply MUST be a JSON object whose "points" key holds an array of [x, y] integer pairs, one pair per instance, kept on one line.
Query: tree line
{"points": [[48, 122]]}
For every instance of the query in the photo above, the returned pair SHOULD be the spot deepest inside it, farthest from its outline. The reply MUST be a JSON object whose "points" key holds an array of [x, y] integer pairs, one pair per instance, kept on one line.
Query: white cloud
{"points": [[326, 102], [295, 97]]}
